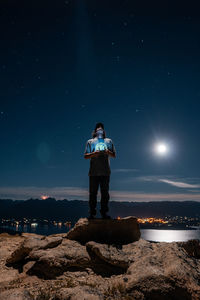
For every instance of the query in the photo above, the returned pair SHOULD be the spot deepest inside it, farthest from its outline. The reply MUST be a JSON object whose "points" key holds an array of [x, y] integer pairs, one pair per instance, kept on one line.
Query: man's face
{"points": [[100, 146]]}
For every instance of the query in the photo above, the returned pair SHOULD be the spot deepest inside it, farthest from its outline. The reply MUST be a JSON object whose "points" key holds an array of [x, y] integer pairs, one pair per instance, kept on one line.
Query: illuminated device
{"points": [[100, 146]]}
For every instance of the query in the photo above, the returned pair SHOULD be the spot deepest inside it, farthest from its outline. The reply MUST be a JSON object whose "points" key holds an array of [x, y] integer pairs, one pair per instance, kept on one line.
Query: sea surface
{"points": [[157, 235], [172, 235]]}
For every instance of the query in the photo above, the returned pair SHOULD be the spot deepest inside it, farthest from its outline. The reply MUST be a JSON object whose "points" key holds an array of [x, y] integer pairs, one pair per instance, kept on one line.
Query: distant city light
{"points": [[34, 224], [151, 220]]}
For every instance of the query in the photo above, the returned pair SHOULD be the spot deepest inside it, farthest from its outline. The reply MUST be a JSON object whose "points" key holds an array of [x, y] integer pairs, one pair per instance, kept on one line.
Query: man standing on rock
{"points": [[99, 148]]}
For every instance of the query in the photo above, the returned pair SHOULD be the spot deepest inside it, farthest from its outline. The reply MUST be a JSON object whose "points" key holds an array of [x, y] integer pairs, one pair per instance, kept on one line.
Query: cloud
{"points": [[176, 182], [79, 193], [153, 178], [145, 197], [125, 170], [25, 192], [180, 184]]}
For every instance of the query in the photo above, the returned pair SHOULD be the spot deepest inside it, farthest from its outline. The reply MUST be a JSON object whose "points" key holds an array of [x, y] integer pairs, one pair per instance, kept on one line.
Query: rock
{"points": [[95, 270], [8, 244], [192, 247], [163, 269], [109, 254], [34, 235], [50, 263], [16, 294], [33, 243], [27, 266], [107, 231], [106, 260], [77, 293]]}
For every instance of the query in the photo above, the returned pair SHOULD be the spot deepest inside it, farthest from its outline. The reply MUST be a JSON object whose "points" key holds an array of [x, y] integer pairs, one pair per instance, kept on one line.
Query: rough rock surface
{"points": [[33, 242], [109, 231], [58, 268]]}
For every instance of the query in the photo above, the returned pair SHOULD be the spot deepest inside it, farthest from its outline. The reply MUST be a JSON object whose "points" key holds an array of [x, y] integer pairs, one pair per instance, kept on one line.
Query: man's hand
{"points": [[107, 151], [98, 152], [93, 154]]}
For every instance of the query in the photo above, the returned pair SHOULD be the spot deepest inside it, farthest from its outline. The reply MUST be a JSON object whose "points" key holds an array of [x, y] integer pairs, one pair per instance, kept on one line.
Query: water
{"points": [[157, 235], [39, 229]]}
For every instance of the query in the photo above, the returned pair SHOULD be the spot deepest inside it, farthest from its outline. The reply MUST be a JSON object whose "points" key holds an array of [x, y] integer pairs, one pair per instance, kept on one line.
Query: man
{"points": [[98, 149]]}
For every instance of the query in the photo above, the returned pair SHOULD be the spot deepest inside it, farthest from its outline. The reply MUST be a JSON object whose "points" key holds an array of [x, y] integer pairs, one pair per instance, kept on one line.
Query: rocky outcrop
{"points": [[49, 263], [56, 267], [33, 243], [16, 294], [109, 231]]}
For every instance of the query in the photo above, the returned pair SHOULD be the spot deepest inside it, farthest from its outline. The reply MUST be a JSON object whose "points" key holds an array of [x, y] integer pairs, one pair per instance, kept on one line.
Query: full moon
{"points": [[161, 149]]}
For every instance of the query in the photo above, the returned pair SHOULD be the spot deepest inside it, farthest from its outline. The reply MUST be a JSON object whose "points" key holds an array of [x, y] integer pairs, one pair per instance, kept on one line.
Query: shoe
{"points": [[105, 216]]}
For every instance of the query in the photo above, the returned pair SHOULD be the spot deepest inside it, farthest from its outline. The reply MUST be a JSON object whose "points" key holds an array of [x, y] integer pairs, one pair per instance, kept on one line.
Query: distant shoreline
{"points": [[11, 229], [169, 228]]}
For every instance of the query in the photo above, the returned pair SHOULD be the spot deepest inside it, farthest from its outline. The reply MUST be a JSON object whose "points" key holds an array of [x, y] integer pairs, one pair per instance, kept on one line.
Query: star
{"points": [[116, 58]]}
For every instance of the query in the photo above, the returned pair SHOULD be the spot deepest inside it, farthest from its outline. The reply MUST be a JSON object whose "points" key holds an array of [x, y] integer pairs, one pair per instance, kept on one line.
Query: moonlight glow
{"points": [[161, 149]]}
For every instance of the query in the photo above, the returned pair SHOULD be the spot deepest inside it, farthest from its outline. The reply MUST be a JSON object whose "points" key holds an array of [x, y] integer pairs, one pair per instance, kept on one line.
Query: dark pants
{"points": [[94, 182]]}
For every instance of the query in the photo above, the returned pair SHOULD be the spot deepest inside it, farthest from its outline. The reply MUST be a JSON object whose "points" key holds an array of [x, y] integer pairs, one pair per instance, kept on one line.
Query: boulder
{"points": [[109, 254], [78, 293], [33, 242], [108, 231], [16, 294], [97, 270], [50, 263]]}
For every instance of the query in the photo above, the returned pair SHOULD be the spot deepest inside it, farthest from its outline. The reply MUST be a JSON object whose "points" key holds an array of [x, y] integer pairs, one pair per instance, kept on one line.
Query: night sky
{"points": [[66, 65]]}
